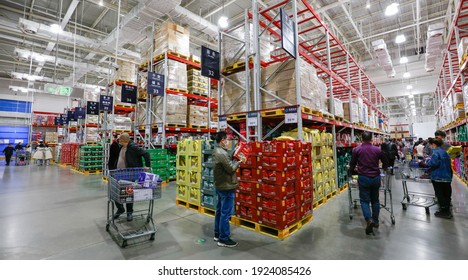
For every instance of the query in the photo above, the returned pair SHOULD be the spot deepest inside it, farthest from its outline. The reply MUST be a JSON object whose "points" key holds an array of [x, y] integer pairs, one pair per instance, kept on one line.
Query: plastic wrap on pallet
{"points": [[176, 109], [126, 71], [233, 97], [142, 84], [338, 106], [92, 134], [177, 74], [198, 115], [231, 47], [172, 37], [462, 48], [92, 95]]}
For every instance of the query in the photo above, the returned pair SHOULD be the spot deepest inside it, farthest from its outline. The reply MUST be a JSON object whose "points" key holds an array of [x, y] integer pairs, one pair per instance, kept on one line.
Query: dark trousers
{"points": [[8, 159], [121, 209], [443, 192]]}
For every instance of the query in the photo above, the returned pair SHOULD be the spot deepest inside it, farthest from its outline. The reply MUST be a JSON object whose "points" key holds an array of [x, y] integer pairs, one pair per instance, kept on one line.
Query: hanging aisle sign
{"points": [[222, 122], [63, 119], [288, 34], [252, 119], [70, 116], [57, 121], [80, 113], [129, 94], [155, 84], [290, 115], [92, 108], [106, 102], [210, 63]]}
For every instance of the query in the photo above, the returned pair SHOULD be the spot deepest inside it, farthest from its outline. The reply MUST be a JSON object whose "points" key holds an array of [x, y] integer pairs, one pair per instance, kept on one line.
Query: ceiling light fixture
{"points": [[406, 75], [55, 28], [368, 4], [400, 39], [391, 9], [101, 3], [403, 60], [409, 87], [223, 22]]}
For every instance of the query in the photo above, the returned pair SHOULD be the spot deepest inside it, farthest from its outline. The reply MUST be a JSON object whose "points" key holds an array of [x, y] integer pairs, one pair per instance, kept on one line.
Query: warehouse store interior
{"points": [[294, 84]]}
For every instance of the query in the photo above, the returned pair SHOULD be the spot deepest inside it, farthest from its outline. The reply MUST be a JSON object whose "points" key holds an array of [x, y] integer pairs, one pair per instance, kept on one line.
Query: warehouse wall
{"points": [[424, 129]]}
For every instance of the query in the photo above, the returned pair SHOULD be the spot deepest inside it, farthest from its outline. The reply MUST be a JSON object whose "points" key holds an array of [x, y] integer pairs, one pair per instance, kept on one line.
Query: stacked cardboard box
{"points": [[68, 153], [126, 71], [122, 123], [176, 109], [177, 74], [233, 97], [351, 111], [197, 115], [338, 106], [196, 83], [172, 37], [142, 84]]}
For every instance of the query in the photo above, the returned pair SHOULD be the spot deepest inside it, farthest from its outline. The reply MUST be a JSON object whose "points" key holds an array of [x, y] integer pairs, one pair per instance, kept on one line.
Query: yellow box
{"points": [[194, 195], [318, 192], [182, 177], [195, 147], [194, 163], [194, 179], [182, 162], [182, 192], [183, 147]]}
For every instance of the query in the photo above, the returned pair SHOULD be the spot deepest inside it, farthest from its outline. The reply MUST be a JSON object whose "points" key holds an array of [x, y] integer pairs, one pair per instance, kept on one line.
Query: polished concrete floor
{"points": [[54, 213]]}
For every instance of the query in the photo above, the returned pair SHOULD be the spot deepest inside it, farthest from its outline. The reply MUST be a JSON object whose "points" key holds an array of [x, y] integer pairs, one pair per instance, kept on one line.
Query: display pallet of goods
{"points": [[160, 163], [89, 159], [343, 159], [209, 198], [68, 153]]}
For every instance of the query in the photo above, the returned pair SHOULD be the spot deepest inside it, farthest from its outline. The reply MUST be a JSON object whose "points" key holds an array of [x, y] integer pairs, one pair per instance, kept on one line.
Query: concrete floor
{"points": [[54, 213]]}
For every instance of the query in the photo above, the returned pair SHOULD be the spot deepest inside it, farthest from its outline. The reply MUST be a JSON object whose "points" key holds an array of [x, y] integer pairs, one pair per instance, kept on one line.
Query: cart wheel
{"points": [[107, 227], [124, 244], [404, 206], [393, 220], [428, 211], [152, 237], [355, 205]]}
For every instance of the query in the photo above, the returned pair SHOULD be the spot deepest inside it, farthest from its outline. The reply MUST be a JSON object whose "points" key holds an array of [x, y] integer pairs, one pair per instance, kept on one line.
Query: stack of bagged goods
{"points": [[122, 123], [275, 185], [197, 116], [233, 96], [283, 85], [177, 74], [172, 37], [231, 47], [196, 83], [126, 72], [176, 109]]}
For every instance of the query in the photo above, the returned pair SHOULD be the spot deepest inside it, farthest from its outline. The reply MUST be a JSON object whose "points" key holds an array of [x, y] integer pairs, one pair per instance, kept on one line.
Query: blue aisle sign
{"points": [[57, 121], [129, 93], [210, 63], [80, 113], [63, 119], [92, 108], [106, 102], [155, 84], [70, 116], [288, 34]]}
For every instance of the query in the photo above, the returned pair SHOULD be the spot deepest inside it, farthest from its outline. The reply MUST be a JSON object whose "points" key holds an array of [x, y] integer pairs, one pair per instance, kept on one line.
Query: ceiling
{"points": [[94, 23]]}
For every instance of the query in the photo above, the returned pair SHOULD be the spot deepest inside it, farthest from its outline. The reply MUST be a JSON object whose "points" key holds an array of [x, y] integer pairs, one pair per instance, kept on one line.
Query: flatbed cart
{"points": [[410, 172], [123, 187], [386, 201]]}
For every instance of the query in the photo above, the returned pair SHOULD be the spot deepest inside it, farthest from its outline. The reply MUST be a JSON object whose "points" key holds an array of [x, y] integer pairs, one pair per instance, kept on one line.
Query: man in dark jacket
{"points": [[8, 151], [126, 154], [225, 180]]}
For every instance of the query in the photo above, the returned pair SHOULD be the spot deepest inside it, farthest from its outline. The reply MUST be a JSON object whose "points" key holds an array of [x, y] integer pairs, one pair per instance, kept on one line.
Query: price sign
{"points": [[106, 103], [252, 119], [288, 34], [92, 108], [160, 128], [129, 93], [155, 84], [210, 63], [290, 115], [222, 123], [80, 113]]}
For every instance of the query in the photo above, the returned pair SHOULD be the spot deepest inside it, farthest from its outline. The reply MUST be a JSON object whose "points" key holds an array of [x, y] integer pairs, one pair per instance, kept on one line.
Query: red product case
{"points": [[273, 191], [247, 212], [278, 221], [278, 205], [280, 178]]}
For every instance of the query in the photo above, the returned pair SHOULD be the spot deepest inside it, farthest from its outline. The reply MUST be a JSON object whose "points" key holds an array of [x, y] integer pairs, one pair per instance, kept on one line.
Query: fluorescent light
{"points": [[400, 39], [368, 4], [409, 87], [100, 3], [403, 60], [391, 9], [406, 75], [55, 28], [223, 22]]}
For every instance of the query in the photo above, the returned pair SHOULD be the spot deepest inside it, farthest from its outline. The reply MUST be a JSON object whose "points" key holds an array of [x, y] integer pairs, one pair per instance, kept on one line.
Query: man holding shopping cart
{"points": [[126, 154], [366, 158]]}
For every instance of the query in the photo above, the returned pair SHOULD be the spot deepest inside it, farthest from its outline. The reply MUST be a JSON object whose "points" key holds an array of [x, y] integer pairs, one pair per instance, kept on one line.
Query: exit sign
{"points": [[58, 89]]}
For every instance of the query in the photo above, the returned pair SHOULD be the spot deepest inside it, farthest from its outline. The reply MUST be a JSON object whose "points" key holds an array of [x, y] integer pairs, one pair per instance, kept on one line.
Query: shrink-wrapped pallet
{"points": [[92, 134], [172, 37], [338, 107], [177, 74], [176, 109], [126, 71], [197, 115], [233, 98], [122, 123]]}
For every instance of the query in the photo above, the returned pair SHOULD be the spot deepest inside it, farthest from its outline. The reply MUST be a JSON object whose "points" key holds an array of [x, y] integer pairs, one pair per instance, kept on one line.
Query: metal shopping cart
{"points": [[123, 187], [22, 157], [411, 172], [385, 199]]}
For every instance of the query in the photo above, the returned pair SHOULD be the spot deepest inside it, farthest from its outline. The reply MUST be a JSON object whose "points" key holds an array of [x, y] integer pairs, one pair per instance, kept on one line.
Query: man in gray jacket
{"points": [[225, 181]]}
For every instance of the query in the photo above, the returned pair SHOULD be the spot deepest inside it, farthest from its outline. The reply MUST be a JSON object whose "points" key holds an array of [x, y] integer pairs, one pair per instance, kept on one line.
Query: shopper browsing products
{"points": [[126, 154], [441, 176], [225, 181], [366, 158]]}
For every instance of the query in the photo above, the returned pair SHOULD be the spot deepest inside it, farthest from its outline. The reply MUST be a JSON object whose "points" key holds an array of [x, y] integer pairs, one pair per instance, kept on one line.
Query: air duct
{"points": [[434, 45], [385, 61]]}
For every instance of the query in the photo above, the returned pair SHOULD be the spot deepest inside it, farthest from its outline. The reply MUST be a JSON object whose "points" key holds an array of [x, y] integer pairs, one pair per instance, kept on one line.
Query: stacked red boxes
{"points": [[246, 195], [68, 153], [304, 184]]}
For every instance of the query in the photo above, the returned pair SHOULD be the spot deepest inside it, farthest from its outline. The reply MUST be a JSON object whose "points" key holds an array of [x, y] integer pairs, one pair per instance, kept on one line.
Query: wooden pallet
{"points": [[273, 113], [207, 211], [344, 187], [188, 205], [327, 116], [179, 90], [339, 119], [237, 117], [319, 202], [178, 55], [104, 178], [311, 112], [195, 61], [198, 126], [93, 143], [199, 94], [331, 194], [122, 131], [459, 106], [125, 106], [120, 82], [174, 125], [231, 69]]}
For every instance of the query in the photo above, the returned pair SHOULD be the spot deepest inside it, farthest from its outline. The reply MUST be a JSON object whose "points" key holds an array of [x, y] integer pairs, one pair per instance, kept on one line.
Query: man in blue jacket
{"points": [[441, 176]]}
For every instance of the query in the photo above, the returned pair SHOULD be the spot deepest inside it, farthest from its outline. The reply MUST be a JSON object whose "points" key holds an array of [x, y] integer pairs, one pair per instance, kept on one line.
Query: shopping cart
{"points": [[385, 199], [22, 158], [411, 172], [123, 187]]}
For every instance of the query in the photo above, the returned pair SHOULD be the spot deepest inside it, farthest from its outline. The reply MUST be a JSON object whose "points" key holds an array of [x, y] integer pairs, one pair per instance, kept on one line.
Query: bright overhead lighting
{"points": [[410, 95], [223, 22], [409, 87], [39, 58], [406, 75], [403, 60], [400, 39], [55, 28], [391, 9], [100, 3], [411, 102], [368, 4]]}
